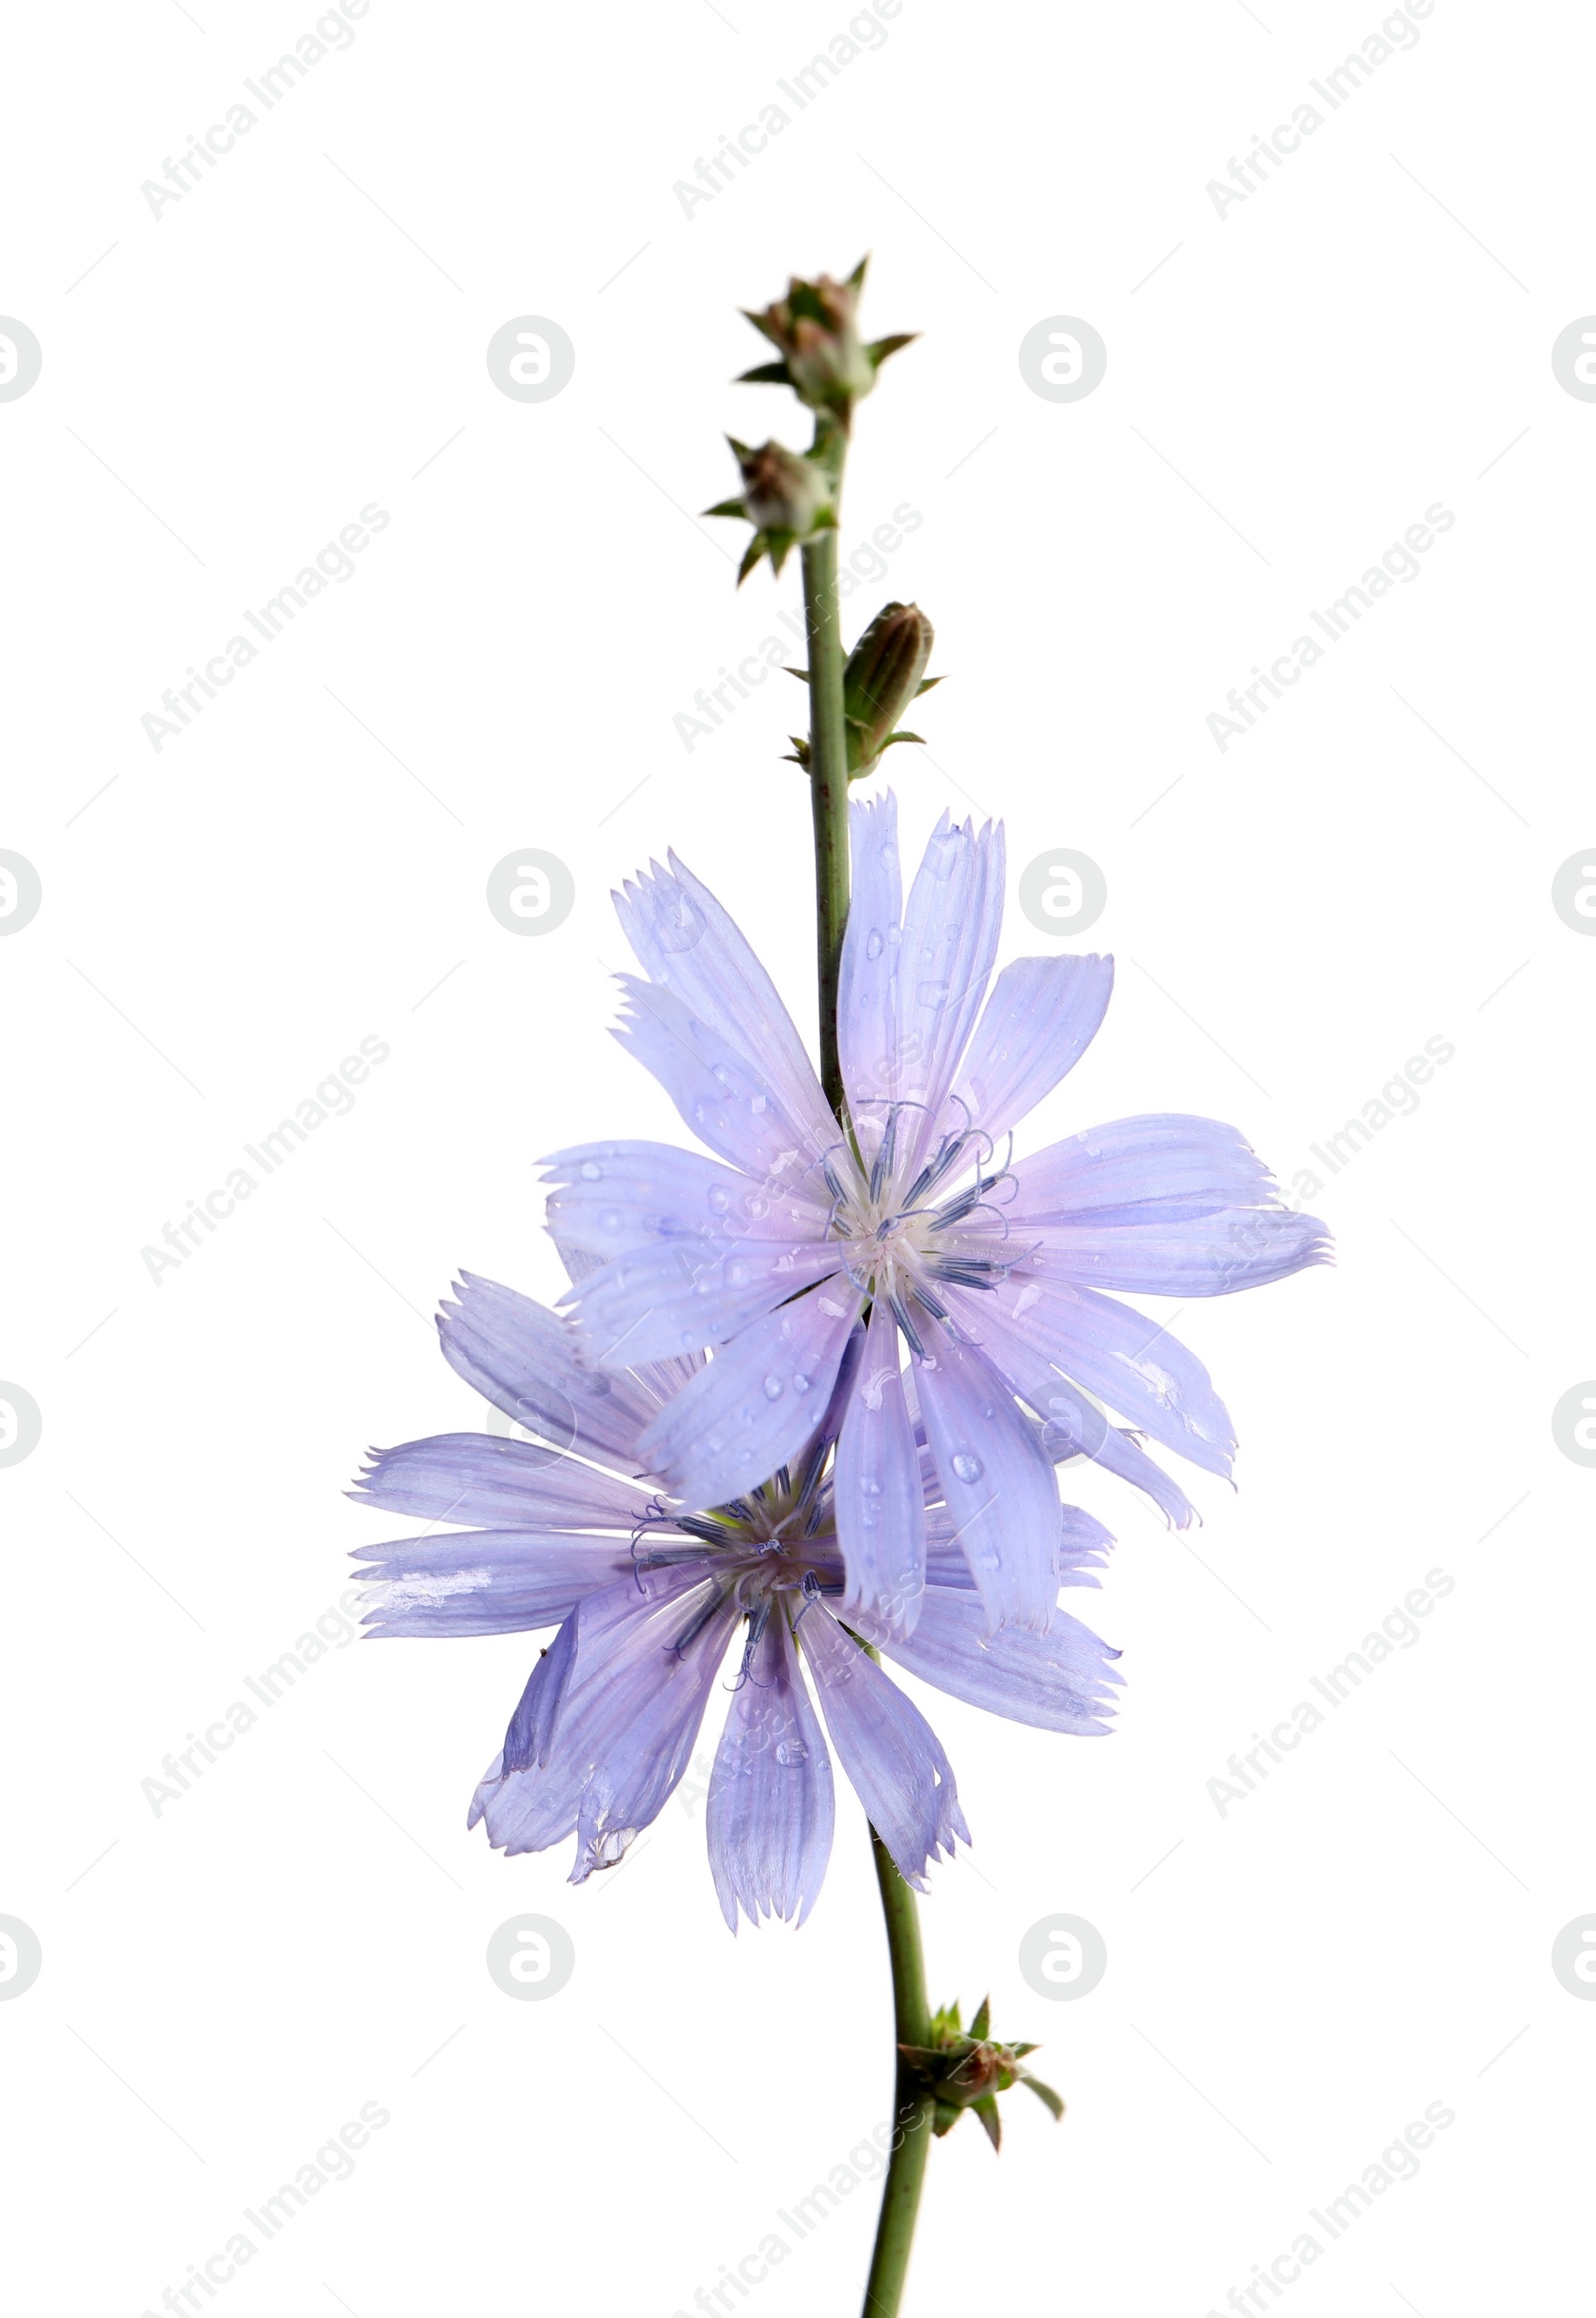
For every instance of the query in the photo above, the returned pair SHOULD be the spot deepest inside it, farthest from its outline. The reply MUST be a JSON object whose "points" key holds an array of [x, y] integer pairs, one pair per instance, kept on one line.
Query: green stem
{"points": [[828, 790], [912, 2111]]}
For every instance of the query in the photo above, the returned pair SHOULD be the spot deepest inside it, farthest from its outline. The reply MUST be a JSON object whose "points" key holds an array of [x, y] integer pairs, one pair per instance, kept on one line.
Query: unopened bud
{"points": [[816, 333], [886, 671], [786, 497]]}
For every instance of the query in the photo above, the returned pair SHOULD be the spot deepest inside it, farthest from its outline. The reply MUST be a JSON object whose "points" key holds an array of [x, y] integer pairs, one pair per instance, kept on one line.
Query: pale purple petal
{"points": [[996, 1482], [524, 1361], [1143, 1169], [881, 1513], [887, 1748], [757, 1403], [950, 924], [646, 1655], [1041, 1017], [1083, 1548], [771, 1808], [687, 943], [1210, 1254], [485, 1581], [1072, 1425], [867, 1000], [675, 1296], [475, 1479], [1058, 1681], [609, 1198], [1123, 1357], [726, 1097]]}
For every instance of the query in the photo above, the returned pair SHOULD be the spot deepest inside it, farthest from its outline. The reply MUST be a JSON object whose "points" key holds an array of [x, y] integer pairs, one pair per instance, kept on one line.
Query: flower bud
{"points": [[961, 2070], [786, 497], [886, 671], [823, 359]]}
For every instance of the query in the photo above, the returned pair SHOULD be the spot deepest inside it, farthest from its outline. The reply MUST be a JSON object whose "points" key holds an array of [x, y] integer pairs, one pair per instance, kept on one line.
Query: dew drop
{"points": [[738, 1272], [874, 943], [966, 1467], [610, 1218], [868, 1485], [801, 1384], [720, 1199], [792, 1753], [931, 993], [757, 1103], [773, 1387], [989, 1561], [590, 1171]]}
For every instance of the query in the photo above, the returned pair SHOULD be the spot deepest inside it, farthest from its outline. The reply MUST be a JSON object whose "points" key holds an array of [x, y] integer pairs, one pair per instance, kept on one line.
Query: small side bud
{"points": [[815, 330], [962, 2070], [786, 497]]}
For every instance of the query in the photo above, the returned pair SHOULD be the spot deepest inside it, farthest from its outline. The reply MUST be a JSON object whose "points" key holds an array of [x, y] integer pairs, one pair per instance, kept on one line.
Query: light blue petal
{"points": [[524, 1361], [1041, 1017], [880, 1512], [1160, 1165], [646, 1652], [1058, 1681], [887, 1748], [1210, 1254], [475, 1479], [1083, 1549], [609, 1198], [951, 926], [997, 1484], [689, 945], [771, 1808], [677, 1295], [867, 1000], [757, 1403], [1073, 1424], [485, 1581], [1120, 1355], [728, 1099]]}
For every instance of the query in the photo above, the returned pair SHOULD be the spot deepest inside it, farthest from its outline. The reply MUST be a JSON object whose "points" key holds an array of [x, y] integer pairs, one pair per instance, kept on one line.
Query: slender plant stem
{"points": [[828, 784], [912, 2111], [828, 789]]}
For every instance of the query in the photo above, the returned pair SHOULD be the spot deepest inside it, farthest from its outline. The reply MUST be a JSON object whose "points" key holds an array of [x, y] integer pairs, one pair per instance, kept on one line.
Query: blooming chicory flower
{"points": [[993, 1274], [650, 1596]]}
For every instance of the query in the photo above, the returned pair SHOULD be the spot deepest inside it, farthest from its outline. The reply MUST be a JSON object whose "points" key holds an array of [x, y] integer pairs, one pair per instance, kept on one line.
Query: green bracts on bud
{"points": [[823, 358], [786, 497], [959, 2071], [886, 671]]}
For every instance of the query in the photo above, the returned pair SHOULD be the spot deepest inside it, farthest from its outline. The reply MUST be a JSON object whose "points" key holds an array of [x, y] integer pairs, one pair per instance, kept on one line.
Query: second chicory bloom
{"points": [[992, 1275]]}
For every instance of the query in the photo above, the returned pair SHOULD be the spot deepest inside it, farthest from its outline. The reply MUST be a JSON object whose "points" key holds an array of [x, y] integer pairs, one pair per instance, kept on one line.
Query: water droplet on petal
{"points": [[874, 943], [721, 1073], [792, 1753], [737, 1271], [801, 1384], [719, 1198], [989, 1561], [966, 1467], [931, 994], [773, 1387], [610, 1218], [590, 1171]]}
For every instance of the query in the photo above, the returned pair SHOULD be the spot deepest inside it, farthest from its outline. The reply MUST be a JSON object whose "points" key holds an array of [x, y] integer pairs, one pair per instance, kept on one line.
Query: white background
{"points": [[224, 919]]}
